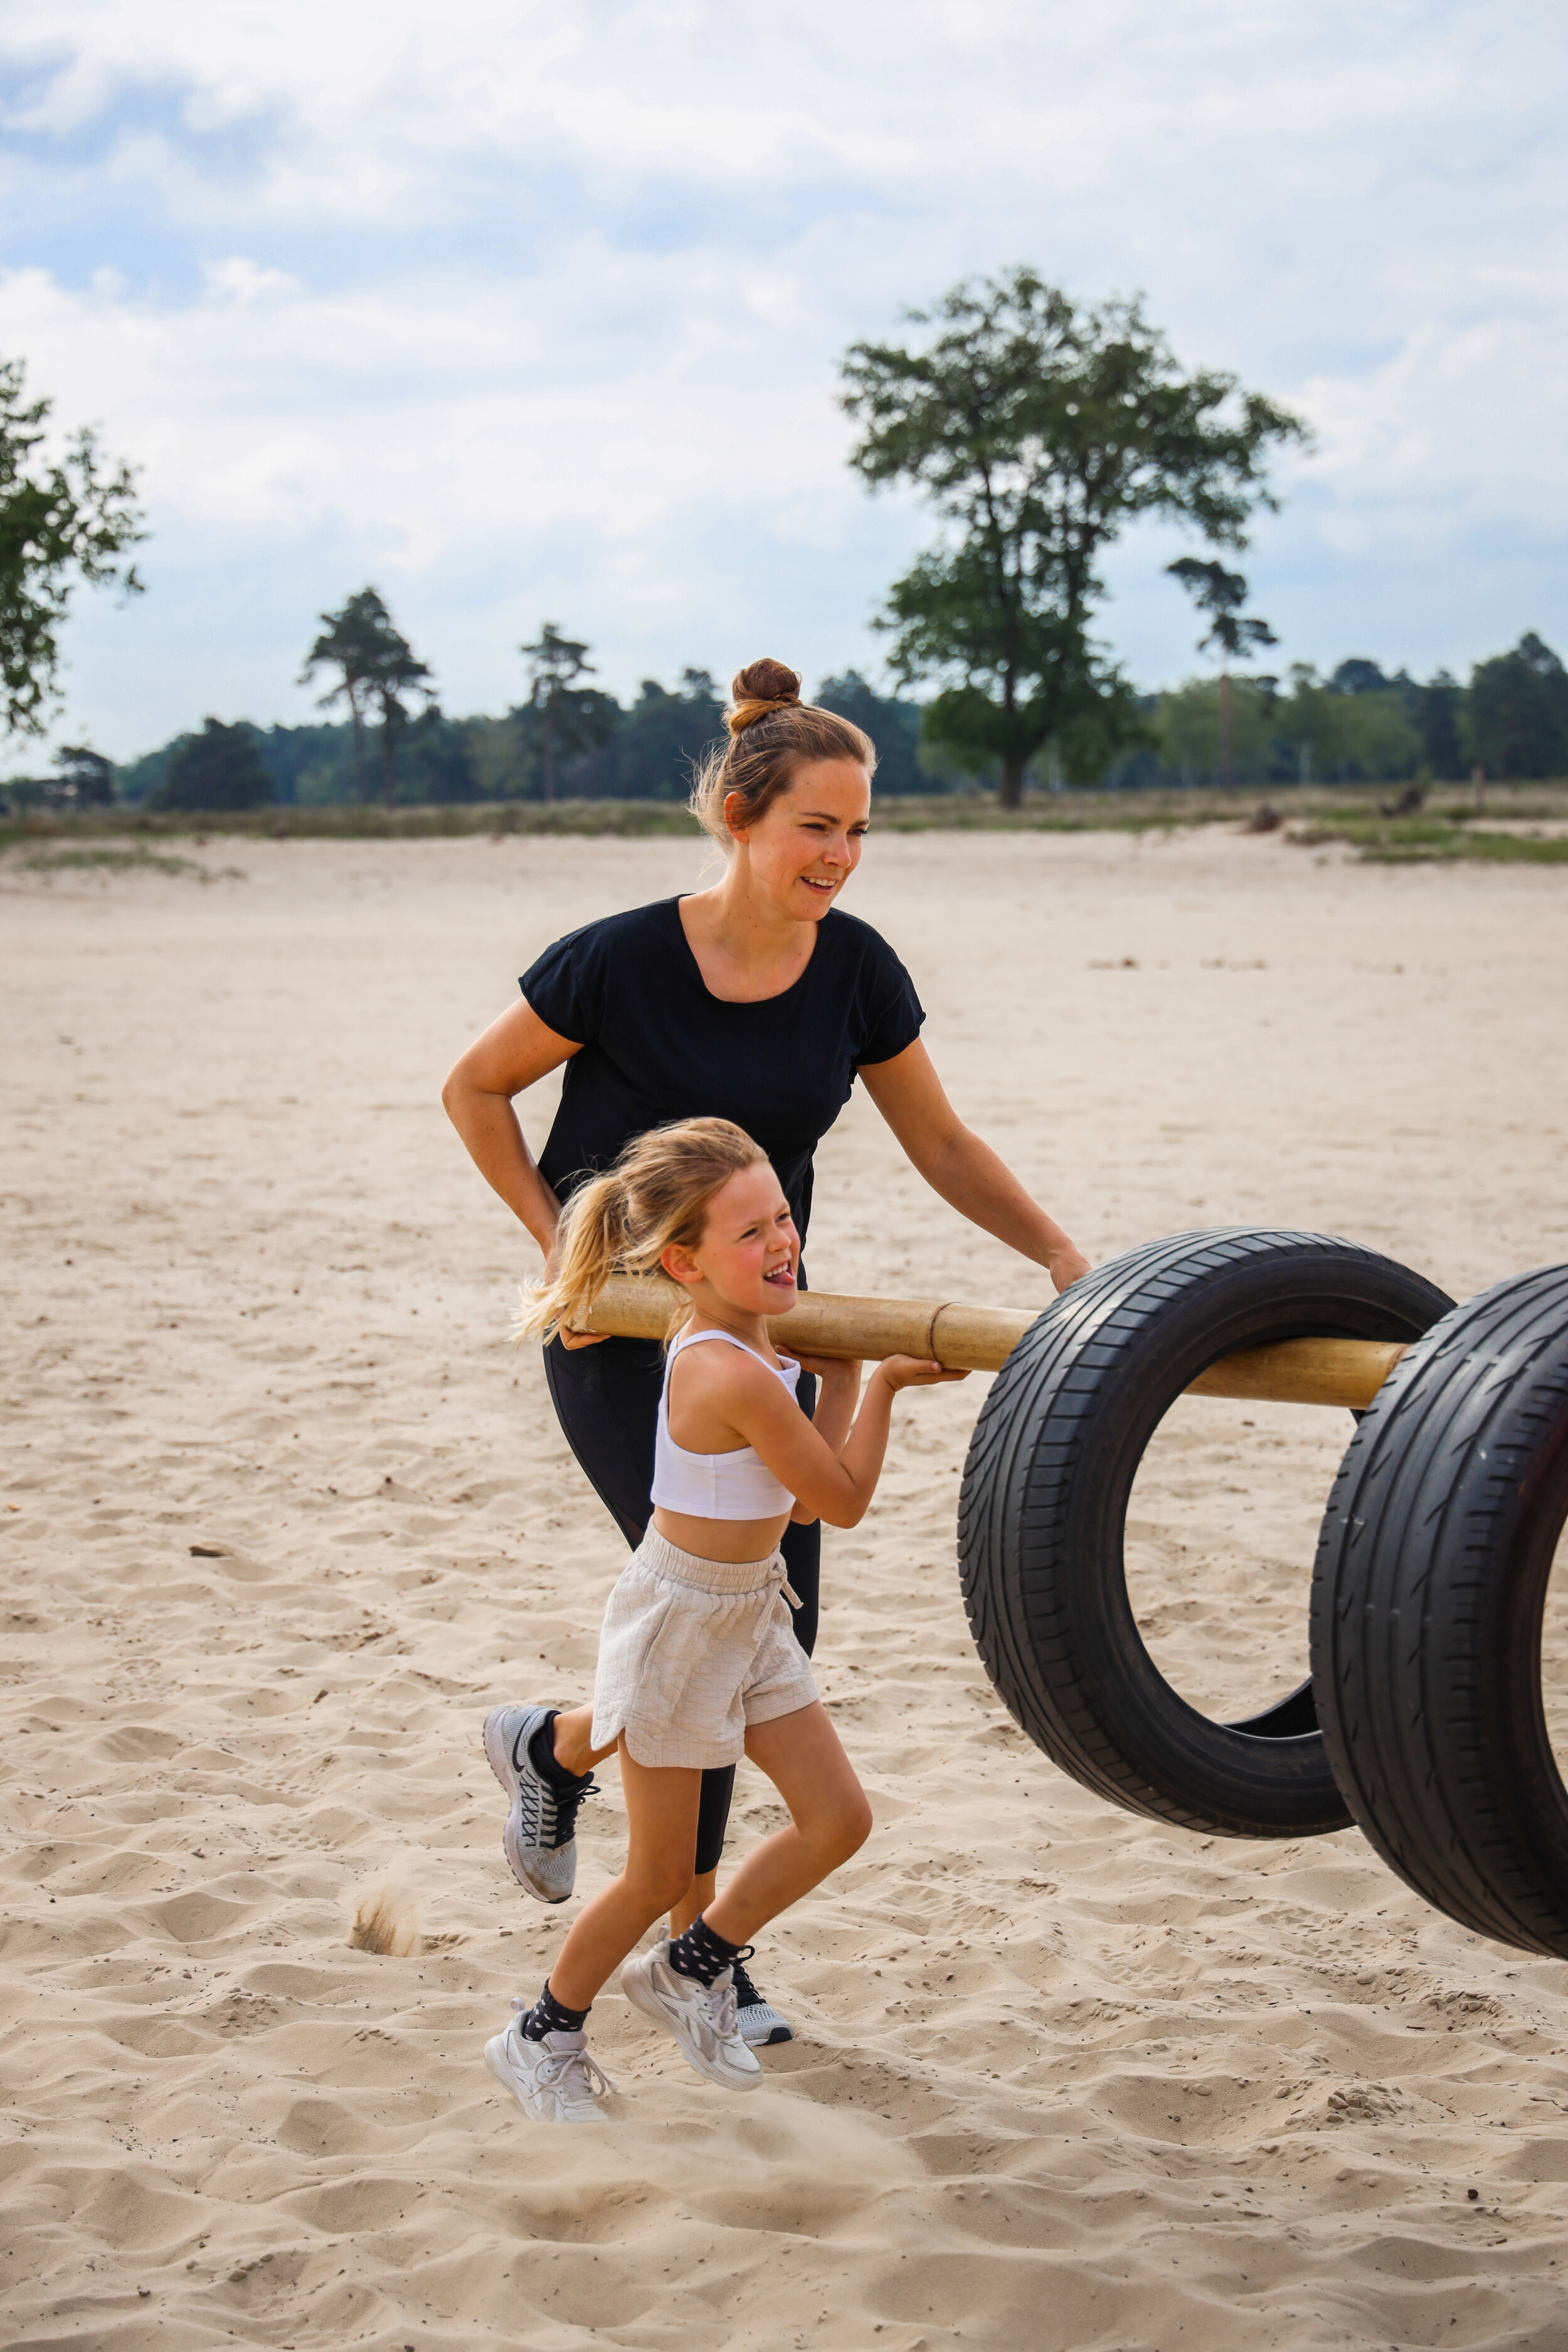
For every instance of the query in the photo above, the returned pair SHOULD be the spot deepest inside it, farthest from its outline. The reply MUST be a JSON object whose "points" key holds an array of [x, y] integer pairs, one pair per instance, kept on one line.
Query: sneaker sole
{"points": [[641, 1995], [498, 1756], [780, 2030]]}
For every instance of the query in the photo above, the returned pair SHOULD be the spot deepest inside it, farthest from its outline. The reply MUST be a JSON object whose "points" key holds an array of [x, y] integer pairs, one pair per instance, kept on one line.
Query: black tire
{"points": [[1427, 1600], [1043, 1506]]}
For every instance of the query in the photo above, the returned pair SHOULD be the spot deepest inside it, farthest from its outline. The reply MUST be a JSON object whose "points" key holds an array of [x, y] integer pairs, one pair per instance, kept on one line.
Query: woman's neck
{"points": [[745, 946]]}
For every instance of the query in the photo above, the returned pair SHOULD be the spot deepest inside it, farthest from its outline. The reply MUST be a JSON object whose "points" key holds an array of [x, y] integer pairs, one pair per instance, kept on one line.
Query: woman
{"points": [[754, 1001]]}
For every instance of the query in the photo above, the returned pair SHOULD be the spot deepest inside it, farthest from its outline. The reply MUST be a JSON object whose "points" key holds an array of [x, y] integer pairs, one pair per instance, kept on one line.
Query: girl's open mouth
{"points": [[782, 1277]]}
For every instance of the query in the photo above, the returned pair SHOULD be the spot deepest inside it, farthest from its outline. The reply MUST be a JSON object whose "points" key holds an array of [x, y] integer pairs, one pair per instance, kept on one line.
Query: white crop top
{"points": [[735, 1486]]}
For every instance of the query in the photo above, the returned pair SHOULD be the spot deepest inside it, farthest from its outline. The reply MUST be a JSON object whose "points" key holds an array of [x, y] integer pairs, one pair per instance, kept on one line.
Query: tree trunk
{"points": [[1226, 770], [1010, 786], [358, 717], [547, 755], [388, 761]]}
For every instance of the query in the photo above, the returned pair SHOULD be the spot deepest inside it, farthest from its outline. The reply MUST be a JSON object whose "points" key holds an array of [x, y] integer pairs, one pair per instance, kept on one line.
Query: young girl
{"points": [[698, 1663]]}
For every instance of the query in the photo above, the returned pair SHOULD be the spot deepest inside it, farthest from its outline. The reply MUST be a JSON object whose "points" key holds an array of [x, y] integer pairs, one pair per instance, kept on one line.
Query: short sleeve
{"points": [[565, 986], [891, 1014]]}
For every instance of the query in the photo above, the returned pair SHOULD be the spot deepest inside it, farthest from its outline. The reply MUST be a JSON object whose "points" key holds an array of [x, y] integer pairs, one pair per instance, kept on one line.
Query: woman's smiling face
{"points": [[805, 846]]}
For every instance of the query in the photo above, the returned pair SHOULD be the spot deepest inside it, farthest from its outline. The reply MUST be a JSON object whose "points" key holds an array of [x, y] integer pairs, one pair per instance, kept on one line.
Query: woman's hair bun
{"points": [[761, 687]]}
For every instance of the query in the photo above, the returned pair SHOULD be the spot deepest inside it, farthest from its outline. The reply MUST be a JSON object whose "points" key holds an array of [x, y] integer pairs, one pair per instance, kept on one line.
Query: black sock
{"points": [[698, 1951], [549, 2015], [542, 1756]]}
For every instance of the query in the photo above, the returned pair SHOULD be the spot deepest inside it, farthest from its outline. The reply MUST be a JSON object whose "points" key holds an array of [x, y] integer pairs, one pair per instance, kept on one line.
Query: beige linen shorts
{"points": [[691, 1652]]}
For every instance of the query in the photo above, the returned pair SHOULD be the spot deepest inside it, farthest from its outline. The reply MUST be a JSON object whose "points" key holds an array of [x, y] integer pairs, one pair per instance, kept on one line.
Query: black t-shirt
{"points": [[658, 1046]]}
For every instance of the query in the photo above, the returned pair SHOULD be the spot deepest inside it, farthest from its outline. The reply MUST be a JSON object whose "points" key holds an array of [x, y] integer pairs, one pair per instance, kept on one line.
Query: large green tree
{"points": [[62, 521], [377, 670], [1039, 429], [568, 719]]}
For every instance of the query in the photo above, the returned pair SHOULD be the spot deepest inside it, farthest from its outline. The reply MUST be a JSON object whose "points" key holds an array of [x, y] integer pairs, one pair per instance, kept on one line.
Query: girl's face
{"points": [[749, 1252], [803, 849]]}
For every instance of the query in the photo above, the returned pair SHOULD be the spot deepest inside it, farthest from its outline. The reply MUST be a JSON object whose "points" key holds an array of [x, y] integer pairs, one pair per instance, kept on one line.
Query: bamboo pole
{"points": [[1303, 1372], [981, 1338]]}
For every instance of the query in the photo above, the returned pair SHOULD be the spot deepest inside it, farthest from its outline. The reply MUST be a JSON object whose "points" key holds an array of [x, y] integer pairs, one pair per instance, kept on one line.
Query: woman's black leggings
{"points": [[606, 1400]]}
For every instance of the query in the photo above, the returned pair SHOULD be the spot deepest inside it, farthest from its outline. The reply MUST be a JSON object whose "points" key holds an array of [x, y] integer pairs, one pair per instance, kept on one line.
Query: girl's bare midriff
{"points": [[726, 1539]]}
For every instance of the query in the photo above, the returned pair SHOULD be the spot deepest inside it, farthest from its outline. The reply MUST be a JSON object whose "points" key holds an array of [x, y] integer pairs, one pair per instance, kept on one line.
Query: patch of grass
{"points": [[1331, 812], [1431, 838], [1058, 813], [126, 861]]}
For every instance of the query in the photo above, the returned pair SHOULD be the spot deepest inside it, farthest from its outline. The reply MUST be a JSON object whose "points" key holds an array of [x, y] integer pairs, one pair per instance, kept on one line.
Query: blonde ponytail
{"points": [[590, 1244], [656, 1196]]}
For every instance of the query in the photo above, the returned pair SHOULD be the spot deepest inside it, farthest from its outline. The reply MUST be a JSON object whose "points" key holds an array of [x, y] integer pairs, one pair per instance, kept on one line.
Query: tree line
{"points": [[1360, 724], [577, 742], [1037, 429]]}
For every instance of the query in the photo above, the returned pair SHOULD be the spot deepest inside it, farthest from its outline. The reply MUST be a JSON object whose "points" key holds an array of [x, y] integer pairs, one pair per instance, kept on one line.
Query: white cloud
{"points": [[518, 309]]}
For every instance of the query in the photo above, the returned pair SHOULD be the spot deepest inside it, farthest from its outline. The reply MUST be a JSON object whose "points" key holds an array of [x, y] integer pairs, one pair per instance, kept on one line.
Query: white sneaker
{"points": [[701, 2017], [554, 2081]]}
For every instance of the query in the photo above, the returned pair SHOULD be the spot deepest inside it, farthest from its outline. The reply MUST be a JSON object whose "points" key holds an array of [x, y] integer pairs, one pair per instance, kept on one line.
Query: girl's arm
{"points": [[963, 1170], [514, 1052], [837, 1393], [835, 1487]]}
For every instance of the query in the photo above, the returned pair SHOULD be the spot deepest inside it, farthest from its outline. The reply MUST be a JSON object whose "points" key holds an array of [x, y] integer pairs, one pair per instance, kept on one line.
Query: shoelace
{"points": [[548, 1815], [561, 2065], [746, 1993], [566, 1803], [721, 2008], [577, 2073]]}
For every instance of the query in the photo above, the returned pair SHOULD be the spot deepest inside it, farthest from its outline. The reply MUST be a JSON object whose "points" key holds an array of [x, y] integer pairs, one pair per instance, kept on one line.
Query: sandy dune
{"points": [[284, 1514]]}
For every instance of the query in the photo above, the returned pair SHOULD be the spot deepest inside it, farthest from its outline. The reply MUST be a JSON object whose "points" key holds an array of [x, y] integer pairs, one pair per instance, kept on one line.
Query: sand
{"points": [[284, 1514]]}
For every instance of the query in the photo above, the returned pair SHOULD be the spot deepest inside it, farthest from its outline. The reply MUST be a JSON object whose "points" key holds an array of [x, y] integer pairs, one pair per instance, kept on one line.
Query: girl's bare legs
{"points": [[697, 1898], [574, 1752], [572, 1732], [829, 1821], [661, 1819], [832, 1809]]}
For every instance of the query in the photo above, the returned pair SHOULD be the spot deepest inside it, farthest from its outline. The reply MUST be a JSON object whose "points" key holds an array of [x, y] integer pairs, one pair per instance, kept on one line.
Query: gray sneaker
{"points": [[541, 1834], [554, 2081], [701, 2017], [761, 2025]]}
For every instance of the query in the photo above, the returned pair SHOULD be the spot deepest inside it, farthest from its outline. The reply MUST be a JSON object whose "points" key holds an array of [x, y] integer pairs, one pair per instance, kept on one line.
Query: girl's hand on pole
{"points": [[844, 1370], [570, 1340], [916, 1372]]}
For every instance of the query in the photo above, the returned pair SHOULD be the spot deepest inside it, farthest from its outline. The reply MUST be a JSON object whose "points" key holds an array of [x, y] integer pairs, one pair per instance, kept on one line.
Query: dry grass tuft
{"points": [[388, 1921]]}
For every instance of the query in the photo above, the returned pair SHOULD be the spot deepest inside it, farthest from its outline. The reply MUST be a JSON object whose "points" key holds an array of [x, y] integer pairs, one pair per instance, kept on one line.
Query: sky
{"points": [[523, 312]]}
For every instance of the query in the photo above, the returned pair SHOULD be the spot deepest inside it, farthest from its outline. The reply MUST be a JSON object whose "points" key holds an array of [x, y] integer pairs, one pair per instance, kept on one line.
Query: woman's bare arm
{"points": [[514, 1052], [956, 1163]]}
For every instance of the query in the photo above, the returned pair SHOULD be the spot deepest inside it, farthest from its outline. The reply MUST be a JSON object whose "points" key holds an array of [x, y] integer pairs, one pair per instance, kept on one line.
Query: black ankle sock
{"points": [[542, 1756], [698, 1952], [549, 2015]]}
